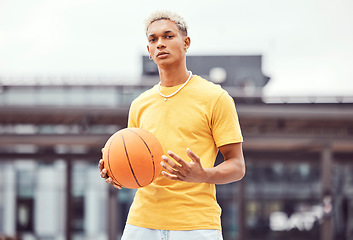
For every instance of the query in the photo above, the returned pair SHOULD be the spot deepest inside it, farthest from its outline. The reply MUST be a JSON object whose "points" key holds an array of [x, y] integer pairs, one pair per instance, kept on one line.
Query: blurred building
{"points": [[298, 152]]}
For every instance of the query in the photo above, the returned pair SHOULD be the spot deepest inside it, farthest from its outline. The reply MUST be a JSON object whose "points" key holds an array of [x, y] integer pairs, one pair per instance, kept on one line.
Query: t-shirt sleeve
{"points": [[225, 124]]}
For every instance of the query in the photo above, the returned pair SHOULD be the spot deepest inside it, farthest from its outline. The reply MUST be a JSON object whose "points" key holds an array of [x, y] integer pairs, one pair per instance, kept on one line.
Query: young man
{"points": [[193, 119]]}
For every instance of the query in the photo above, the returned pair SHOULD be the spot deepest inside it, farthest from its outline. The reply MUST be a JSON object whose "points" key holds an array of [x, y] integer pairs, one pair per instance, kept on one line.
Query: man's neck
{"points": [[173, 76]]}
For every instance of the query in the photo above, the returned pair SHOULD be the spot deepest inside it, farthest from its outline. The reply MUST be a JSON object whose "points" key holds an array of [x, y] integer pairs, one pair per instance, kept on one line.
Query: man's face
{"points": [[166, 43]]}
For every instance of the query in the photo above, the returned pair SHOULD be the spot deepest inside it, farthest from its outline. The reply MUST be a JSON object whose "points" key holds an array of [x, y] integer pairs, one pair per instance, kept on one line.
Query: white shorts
{"points": [[138, 233]]}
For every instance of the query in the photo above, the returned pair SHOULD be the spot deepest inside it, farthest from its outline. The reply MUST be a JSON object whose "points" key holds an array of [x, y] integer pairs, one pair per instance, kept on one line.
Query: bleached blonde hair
{"points": [[168, 15]]}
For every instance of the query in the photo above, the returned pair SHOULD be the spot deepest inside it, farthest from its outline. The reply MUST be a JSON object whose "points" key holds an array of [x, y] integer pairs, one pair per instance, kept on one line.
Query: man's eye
{"points": [[152, 39], [170, 36]]}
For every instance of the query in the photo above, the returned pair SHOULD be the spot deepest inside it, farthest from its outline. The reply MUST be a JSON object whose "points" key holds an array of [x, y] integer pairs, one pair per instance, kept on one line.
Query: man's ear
{"points": [[187, 42], [148, 49]]}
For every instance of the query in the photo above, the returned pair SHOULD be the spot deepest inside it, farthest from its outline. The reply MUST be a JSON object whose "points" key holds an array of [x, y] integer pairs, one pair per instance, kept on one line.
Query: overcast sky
{"points": [[307, 45]]}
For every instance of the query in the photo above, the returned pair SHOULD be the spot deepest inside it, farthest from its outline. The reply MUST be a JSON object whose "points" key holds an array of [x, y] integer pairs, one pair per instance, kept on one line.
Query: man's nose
{"points": [[160, 44]]}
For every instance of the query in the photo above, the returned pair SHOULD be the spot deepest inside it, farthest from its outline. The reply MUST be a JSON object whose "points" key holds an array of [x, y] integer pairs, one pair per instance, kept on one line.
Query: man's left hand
{"points": [[182, 170]]}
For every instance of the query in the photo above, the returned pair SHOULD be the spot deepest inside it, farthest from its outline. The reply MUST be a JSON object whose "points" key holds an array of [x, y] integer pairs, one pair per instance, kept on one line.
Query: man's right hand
{"points": [[103, 173]]}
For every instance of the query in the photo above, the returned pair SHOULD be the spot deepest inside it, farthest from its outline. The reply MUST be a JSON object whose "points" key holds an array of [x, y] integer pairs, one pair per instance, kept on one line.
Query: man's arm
{"points": [[233, 167], [231, 170]]}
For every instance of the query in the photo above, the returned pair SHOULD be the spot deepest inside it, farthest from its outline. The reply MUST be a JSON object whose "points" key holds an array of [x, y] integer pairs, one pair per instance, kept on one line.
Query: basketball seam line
{"points": [[149, 150], [128, 159], [109, 162]]}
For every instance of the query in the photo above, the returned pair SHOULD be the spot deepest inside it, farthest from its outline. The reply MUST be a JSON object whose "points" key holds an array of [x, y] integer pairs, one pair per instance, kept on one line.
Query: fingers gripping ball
{"points": [[132, 157]]}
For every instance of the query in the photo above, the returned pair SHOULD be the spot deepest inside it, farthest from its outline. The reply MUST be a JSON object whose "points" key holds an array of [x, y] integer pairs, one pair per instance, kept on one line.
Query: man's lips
{"points": [[162, 54]]}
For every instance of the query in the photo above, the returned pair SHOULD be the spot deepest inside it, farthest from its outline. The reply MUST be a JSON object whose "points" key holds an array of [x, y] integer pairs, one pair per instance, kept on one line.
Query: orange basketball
{"points": [[132, 157]]}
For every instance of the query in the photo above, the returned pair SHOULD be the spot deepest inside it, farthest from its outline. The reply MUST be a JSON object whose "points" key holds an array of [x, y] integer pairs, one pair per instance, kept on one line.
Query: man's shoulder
{"points": [[146, 94], [207, 87]]}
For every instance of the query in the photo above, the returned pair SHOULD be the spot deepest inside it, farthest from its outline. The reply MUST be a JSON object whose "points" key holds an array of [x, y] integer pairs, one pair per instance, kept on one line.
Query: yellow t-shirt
{"points": [[201, 117]]}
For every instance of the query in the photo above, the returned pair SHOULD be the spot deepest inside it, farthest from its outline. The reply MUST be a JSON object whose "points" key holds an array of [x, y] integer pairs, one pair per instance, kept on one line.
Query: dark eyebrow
{"points": [[165, 32]]}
